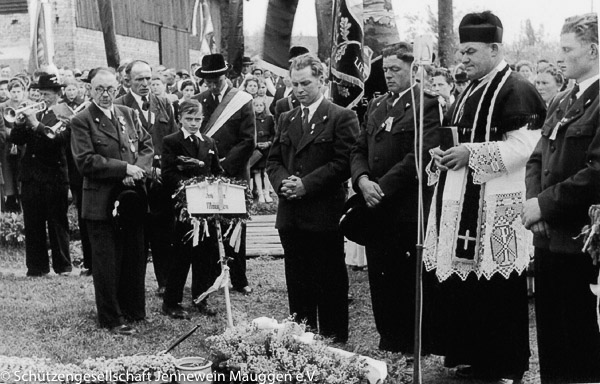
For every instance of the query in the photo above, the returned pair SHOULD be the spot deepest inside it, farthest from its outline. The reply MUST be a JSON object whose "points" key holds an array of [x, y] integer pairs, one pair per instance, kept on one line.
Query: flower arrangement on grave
{"points": [[267, 351]]}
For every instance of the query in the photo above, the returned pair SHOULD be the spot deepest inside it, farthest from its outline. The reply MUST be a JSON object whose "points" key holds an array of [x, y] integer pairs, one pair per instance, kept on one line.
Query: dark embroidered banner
{"points": [[350, 63]]}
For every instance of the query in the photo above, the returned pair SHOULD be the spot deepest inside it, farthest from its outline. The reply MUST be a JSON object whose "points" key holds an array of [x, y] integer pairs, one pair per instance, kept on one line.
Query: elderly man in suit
{"points": [[229, 120], [563, 180], [114, 153], [156, 116], [384, 173], [45, 183], [308, 165]]}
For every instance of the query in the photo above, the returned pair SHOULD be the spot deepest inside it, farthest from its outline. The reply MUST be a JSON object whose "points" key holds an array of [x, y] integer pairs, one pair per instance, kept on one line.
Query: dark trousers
{"points": [[204, 259], [86, 246], [317, 280], [119, 270], [44, 203], [567, 329], [238, 264], [391, 261], [159, 229]]}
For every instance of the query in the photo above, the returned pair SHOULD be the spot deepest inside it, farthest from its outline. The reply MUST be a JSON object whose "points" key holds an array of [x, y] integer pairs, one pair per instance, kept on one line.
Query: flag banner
{"points": [[278, 34], [39, 55], [349, 67], [380, 25]]}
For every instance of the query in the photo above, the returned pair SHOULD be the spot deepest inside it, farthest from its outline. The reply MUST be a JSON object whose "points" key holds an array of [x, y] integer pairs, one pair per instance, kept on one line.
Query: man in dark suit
{"points": [[229, 120], [114, 153], [156, 116], [308, 165], [563, 180], [45, 184], [384, 172]]}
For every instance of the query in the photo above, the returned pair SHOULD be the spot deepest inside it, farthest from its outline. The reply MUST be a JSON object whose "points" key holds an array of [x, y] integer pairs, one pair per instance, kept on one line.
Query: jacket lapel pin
{"points": [[407, 106], [587, 102], [97, 120], [122, 120], [312, 128], [292, 118]]}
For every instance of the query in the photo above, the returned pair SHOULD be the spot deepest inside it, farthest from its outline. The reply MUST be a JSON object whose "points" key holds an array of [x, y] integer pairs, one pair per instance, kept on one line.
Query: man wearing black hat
{"points": [[229, 120], [114, 153], [156, 116], [44, 183], [246, 67], [563, 181], [384, 173], [475, 239]]}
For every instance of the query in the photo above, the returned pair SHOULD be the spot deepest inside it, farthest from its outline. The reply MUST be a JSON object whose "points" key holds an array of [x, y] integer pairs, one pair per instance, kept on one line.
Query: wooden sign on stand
{"points": [[217, 198]]}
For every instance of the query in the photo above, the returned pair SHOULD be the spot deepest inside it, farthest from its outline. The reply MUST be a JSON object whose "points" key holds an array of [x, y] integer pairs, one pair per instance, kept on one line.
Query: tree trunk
{"points": [[446, 43], [324, 10], [107, 20]]}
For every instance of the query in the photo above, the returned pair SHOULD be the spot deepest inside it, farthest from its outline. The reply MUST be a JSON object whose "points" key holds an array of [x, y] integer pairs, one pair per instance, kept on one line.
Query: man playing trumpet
{"points": [[45, 182]]}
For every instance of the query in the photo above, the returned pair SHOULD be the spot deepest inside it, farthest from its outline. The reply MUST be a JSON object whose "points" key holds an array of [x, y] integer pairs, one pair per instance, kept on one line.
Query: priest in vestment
{"points": [[475, 241]]}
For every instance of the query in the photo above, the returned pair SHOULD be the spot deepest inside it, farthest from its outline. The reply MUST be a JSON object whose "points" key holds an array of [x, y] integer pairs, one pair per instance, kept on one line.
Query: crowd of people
{"points": [[511, 163]]}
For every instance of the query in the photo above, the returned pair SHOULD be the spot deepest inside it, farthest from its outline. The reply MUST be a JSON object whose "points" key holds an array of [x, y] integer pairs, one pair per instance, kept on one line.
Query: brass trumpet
{"points": [[11, 115]]}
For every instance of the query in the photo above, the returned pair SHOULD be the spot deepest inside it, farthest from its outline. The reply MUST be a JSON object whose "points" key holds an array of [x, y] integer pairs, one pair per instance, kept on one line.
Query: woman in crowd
{"points": [[549, 82], [525, 69], [250, 85]]}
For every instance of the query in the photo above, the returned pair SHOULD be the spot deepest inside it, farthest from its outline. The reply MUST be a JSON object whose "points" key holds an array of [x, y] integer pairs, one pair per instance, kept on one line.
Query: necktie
{"points": [[217, 98], [573, 96], [391, 100], [305, 120], [145, 103], [194, 141]]}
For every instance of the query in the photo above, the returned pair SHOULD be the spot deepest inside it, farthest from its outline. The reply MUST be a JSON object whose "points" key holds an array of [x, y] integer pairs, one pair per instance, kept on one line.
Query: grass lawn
{"points": [[55, 317]]}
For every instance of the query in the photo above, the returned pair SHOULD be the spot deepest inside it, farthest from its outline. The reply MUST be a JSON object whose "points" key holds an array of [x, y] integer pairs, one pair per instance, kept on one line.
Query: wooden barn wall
{"points": [[128, 22]]}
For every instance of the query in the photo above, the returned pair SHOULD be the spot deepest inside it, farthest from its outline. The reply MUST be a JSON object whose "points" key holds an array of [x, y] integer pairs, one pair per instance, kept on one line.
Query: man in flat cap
{"points": [[229, 120], [563, 181], [475, 239]]}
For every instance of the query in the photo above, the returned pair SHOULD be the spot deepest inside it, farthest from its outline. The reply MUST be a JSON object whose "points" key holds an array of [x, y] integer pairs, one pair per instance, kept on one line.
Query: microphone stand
{"points": [[420, 237]]}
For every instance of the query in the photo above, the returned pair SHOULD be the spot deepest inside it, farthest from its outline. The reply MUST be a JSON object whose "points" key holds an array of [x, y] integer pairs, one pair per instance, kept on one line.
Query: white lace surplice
{"points": [[502, 242]]}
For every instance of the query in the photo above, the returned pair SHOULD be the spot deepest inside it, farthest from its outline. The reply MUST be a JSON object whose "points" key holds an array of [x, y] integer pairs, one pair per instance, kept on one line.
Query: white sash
{"points": [[238, 101]]}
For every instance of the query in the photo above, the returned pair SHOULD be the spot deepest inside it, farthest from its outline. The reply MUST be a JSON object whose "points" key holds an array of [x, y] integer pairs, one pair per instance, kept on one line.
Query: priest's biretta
{"points": [[480, 27]]}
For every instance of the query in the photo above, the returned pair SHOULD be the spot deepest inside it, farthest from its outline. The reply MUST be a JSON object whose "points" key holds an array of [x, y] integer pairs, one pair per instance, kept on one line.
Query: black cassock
{"points": [[484, 322]]}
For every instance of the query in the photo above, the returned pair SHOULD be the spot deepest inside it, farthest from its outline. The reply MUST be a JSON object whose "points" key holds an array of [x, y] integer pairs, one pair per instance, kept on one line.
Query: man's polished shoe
{"points": [[204, 309], [245, 290], [176, 312], [124, 329]]}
